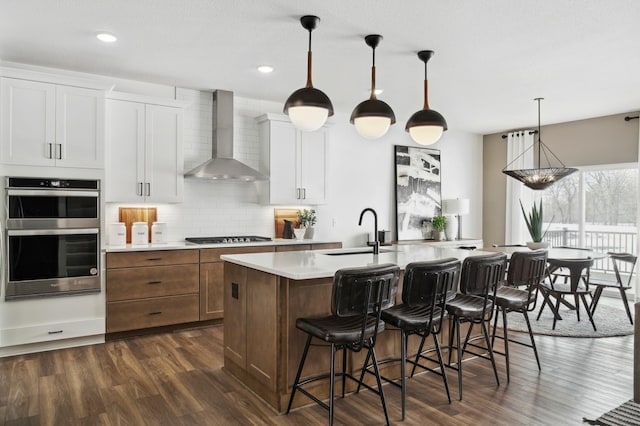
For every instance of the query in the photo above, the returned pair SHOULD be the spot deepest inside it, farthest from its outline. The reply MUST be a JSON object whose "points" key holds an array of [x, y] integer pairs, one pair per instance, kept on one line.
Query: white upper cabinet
{"points": [[45, 124], [295, 161], [144, 152]]}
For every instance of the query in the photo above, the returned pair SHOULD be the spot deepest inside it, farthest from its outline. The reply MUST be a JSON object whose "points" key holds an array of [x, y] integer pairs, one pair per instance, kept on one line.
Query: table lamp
{"points": [[456, 207]]}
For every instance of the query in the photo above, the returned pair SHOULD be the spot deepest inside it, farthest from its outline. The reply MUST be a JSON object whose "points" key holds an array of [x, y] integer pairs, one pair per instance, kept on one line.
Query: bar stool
{"points": [[526, 269], [481, 275], [358, 297], [424, 294]]}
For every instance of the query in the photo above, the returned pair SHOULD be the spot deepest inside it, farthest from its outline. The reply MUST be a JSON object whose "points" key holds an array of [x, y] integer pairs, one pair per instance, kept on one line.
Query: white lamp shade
{"points": [[426, 135], [372, 127], [455, 206], [308, 118]]}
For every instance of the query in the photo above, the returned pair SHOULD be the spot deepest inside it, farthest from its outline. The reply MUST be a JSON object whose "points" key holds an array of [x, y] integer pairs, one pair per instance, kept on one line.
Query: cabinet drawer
{"points": [[324, 246], [48, 332], [213, 255], [136, 283], [294, 247], [137, 314], [150, 258]]}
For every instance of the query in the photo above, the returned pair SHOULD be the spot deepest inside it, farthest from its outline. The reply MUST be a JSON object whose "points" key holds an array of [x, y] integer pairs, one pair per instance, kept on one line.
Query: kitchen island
{"points": [[264, 294]]}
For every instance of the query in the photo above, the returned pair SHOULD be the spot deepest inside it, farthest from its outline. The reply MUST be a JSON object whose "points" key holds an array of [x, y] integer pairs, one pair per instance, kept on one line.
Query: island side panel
{"points": [[235, 306]]}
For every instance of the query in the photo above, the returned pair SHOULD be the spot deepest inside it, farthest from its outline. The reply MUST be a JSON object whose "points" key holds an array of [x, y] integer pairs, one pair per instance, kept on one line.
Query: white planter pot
{"points": [[537, 246]]}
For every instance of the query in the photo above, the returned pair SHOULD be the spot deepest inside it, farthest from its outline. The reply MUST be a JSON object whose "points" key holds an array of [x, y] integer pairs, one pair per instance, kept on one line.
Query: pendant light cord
{"points": [[539, 141]]}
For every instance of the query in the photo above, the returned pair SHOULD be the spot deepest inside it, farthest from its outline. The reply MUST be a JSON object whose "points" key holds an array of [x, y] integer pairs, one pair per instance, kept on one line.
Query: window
{"points": [[594, 208]]}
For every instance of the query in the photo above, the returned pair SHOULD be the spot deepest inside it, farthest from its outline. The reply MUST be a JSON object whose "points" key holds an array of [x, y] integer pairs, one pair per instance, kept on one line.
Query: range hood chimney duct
{"points": [[222, 165]]}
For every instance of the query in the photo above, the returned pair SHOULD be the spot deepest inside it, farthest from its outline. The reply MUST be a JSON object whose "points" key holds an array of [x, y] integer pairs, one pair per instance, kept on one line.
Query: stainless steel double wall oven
{"points": [[52, 237]]}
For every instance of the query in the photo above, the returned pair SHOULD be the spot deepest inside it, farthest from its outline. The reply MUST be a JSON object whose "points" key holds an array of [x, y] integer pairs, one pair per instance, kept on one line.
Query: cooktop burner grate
{"points": [[227, 239]]}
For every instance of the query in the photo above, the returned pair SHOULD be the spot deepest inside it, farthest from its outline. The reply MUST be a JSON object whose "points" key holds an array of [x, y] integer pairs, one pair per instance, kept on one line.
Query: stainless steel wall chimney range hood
{"points": [[222, 165]]}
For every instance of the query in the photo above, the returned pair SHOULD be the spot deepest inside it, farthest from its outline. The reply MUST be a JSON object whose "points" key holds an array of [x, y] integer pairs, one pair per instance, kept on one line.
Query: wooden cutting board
{"points": [[128, 215], [280, 215]]}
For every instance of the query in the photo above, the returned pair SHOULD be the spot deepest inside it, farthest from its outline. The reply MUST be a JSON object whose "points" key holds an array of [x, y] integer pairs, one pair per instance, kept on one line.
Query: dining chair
{"points": [[480, 278], [358, 298], [578, 287], [621, 284], [426, 286], [525, 272]]}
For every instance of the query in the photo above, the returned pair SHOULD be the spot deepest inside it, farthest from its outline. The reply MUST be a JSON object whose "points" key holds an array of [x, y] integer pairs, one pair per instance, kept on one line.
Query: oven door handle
{"points": [[52, 193], [75, 231]]}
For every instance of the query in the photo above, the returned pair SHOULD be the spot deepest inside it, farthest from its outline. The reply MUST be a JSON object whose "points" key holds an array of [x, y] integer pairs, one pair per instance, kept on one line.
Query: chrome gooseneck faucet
{"points": [[375, 243]]}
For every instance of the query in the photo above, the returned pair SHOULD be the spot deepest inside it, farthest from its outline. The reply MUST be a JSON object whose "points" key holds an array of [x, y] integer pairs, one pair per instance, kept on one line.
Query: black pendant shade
{"points": [[541, 177], [317, 104], [426, 126], [373, 107]]}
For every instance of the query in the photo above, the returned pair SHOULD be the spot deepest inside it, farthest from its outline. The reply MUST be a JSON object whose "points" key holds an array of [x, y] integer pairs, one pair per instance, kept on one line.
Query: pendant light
{"points": [[540, 177], [426, 126], [373, 117], [308, 108]]}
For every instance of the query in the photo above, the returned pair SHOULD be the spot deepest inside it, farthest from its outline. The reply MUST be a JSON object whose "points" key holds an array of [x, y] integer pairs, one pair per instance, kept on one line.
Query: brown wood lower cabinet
{"points": [[157, 288], [151, 289]]}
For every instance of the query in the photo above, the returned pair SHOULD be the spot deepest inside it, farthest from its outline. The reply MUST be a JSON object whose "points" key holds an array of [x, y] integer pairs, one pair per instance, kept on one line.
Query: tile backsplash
{"points": [[220, 207]]}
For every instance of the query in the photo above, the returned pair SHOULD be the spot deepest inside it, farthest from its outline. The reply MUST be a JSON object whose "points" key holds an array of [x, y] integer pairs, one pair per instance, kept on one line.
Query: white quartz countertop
{"points": [[178, 245], [303, 265]]}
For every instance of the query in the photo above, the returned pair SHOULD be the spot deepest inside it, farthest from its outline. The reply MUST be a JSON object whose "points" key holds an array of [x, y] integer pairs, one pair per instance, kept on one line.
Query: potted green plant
{"points": [[534, 221], [307, 220], [438, 223]]}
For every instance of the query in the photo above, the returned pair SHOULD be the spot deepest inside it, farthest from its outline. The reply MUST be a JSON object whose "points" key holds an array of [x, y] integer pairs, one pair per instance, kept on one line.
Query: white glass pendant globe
{"points": [[426, 135], [308, 118], [372, 127]]}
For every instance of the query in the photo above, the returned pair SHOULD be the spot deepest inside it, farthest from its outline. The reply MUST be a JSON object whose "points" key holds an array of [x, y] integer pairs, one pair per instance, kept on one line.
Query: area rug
{"points": [[610, 321], [628, 414]]}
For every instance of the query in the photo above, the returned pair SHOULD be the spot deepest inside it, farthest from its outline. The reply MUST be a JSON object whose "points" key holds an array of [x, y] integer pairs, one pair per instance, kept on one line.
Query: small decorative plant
{"points": [[306, 218], [534, 222], [438, 223]]}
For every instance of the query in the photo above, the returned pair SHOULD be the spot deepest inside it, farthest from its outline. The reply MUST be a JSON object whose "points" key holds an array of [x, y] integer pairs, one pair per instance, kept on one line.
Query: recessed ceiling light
{"points": [[265, 69], [106, 37]]}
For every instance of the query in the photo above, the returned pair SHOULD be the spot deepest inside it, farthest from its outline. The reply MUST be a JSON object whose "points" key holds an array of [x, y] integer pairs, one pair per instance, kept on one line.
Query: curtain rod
{"points": [[531, 132], [628, 118]]}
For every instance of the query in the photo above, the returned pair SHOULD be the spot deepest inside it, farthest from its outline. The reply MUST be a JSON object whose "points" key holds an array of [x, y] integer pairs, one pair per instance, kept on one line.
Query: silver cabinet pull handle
{"points": [[55, 332], [139, 189], [304, 193], [154, 282], [155, 313], [50, 150], [148, 189], [59, 151], [298, 193]]}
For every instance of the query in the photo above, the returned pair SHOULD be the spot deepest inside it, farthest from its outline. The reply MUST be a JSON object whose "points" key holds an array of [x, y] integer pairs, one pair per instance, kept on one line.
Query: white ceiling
{"points": [[492, 57]]}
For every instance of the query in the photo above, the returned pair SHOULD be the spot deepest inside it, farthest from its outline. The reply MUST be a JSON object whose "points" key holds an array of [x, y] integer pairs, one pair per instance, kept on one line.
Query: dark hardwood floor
{"points": [[177, 379]]}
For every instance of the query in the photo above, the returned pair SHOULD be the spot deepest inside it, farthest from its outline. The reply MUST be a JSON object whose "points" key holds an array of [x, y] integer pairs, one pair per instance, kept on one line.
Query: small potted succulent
{"points": [[438, 223], [306, 220], [534, 221]]}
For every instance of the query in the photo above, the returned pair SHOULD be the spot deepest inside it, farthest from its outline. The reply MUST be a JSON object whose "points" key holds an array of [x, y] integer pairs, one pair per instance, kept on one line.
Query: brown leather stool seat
{"points": [[514, 299]]}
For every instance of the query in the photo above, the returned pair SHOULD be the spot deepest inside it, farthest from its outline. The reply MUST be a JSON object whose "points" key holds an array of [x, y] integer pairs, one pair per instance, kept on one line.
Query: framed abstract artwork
{"points": [[418, 194]]}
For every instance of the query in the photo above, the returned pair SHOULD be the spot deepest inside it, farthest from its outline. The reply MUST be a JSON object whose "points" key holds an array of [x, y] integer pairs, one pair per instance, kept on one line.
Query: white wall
{"points": [[361, 175]]}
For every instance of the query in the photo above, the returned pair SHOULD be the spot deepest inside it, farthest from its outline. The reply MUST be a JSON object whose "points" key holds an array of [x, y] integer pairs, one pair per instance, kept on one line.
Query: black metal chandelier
{"points": [[540, 177]]}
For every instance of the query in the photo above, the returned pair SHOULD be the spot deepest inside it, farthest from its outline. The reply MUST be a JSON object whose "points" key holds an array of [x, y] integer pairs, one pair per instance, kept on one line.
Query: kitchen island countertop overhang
{"points": [[304, 265]]}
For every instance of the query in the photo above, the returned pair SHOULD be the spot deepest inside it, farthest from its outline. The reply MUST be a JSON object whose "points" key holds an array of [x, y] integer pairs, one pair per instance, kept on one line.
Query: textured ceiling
{"points": [[492, 57]]}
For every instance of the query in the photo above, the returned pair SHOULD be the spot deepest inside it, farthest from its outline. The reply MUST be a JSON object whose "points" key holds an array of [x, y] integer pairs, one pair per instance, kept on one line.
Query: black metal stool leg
{"points": [[295, 383], [533, 342], [440, 361], [344, 368], [332, 379], [506, 341], [415, 364], [403, 366], [493, 361], [459, 360], [380, 391]]}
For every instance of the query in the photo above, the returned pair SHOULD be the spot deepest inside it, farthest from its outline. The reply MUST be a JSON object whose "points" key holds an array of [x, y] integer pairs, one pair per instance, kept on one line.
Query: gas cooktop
{"points": [[228, 239]]}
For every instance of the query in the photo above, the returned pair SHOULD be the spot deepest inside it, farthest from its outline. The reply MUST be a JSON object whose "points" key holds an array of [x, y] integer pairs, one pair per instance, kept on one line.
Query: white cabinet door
{"points": [[296, 161], [28, 122], [313, 166], [164, 158], [283, 172], [50, 125], [125, 151], [79, 128], [144, 151]]}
